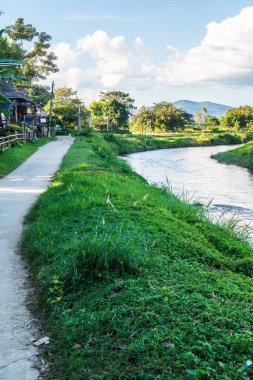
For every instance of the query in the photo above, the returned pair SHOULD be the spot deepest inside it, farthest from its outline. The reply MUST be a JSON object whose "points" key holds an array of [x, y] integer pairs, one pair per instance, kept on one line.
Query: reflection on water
{"points": [[191, 171]]}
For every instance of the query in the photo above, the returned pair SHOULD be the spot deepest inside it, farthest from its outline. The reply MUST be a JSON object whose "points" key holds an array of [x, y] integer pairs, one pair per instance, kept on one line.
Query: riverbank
{"points": [[242, 156], [127, 144], [11, 158], [132, 283]]}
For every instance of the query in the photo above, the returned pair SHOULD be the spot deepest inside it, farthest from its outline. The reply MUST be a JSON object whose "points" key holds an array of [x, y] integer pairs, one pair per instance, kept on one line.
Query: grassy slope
{"points": [[242, 156], [132, 283], [11, 158], [134, 143]]}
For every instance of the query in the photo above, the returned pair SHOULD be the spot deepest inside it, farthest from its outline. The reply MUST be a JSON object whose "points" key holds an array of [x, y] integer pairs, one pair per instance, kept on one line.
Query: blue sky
{"points": [[154, 49]]}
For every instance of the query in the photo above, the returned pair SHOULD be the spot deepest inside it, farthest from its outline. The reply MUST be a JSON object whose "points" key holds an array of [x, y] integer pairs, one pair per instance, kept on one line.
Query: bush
{"points": [[215, 130], [248, 137], [14, 128], [226, 138]]}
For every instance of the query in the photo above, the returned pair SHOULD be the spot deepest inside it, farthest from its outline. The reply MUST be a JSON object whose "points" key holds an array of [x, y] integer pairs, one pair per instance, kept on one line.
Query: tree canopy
{"points": [[241, 117], [65, 106], [112, 111], [163, 117], [121, 97], [40, 61]]}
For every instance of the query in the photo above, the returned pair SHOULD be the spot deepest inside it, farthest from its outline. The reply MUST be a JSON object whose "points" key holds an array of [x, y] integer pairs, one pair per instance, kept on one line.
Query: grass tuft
{"points": [[133, 283]]}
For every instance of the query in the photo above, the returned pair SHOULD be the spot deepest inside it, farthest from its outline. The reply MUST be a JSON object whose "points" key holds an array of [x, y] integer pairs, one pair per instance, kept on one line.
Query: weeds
{"points": [[134, 283], [242, 156]]}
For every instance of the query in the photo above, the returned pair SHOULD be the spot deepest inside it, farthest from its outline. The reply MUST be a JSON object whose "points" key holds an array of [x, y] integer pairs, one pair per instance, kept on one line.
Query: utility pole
{"points": [[50, 111], [107, 123], [90, 121], [79, 120]]}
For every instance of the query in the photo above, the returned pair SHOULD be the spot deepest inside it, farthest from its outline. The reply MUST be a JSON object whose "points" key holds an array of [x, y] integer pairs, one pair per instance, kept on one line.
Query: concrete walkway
{"points": [[18, 191]]}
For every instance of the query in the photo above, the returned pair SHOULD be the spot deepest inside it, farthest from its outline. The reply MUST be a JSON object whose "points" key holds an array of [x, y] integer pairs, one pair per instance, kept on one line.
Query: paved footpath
{"points": [[18, 191]]}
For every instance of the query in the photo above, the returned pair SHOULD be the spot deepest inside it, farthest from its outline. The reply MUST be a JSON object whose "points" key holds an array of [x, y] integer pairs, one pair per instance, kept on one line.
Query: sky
{"points": [[153, 49]]}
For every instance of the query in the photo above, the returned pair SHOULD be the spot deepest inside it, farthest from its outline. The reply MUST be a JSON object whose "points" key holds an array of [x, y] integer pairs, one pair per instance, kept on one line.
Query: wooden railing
{"points": [[7, 141]]}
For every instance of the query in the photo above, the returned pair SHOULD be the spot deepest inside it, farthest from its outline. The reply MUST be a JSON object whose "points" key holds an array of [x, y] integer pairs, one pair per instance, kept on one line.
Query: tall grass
{"points": [[133, 283], [242, 156]]}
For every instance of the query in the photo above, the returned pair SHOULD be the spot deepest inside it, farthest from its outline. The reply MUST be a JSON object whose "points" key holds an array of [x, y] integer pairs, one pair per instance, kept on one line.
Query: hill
{"points": [[214, 109]]}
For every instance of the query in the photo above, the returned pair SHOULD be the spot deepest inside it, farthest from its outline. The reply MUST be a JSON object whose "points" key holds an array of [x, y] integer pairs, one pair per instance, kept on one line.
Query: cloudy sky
{"points": [[154, 49]]}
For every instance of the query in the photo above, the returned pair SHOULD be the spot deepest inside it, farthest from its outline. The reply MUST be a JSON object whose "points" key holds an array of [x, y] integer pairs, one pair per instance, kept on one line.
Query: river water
{"points": [[193, 175]]}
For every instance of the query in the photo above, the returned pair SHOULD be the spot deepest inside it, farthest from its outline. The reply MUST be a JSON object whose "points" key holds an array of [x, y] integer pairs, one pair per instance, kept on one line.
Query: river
{"points": [[193, 175]]}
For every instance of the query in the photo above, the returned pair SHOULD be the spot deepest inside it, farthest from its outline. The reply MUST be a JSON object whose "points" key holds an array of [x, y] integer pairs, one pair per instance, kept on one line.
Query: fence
{"points": [[6, 142]]}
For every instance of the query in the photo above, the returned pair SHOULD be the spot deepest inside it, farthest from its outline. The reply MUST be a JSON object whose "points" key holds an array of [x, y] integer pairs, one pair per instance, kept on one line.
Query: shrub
{"points": [[248, 137], [14, 128]]}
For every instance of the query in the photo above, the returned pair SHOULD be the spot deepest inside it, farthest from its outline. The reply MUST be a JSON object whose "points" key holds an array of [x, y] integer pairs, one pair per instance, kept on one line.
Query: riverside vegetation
{"points": [[130, 143], [126, 143], [242, 156], [131, 282]]}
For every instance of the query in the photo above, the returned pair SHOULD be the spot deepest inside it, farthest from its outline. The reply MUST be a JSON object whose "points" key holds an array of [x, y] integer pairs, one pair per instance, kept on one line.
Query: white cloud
{"points": [[225, 52], [66, 55], [99, 62]]}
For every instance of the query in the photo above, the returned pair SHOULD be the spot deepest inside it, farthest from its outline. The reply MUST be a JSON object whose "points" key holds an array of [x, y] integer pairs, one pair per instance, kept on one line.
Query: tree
{"points": [[241, 117], [116, 115], [112, 111], [39, 94], [143, 122], [96, 109], [65, 106], [198, 119], [40, 61], [212, 121], [162, 117], [20, 32], [121, 97], [170, 118], [203, 113], [10, 50]]}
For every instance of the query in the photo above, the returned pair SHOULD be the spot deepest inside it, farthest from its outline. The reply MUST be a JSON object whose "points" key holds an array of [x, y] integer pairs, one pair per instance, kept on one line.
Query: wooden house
{"points": [[21, 108]]}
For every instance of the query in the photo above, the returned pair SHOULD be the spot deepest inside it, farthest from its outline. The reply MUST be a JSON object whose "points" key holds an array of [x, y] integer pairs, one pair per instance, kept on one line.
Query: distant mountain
{"points": [[213, 109]]}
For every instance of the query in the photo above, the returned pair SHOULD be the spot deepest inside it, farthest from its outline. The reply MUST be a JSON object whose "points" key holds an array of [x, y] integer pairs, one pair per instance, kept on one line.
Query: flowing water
{"points": [[193, 175]]}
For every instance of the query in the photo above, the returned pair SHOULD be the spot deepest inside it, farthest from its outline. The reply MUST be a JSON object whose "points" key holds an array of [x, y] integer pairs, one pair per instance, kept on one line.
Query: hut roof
{"points": [[7, 90]]}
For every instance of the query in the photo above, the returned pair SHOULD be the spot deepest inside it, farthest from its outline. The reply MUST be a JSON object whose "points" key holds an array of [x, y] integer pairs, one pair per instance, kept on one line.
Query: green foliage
{"points": [[65, 106], [241, 117], [248, 137], [21, 32], [38, 93], [212, 122], [112, 111], [121, 97], [242, 156], [226, 138], [116, 113], [40, 60], [10, 50], [162, 117], [14, 128], [133, 283], [134, 143]]}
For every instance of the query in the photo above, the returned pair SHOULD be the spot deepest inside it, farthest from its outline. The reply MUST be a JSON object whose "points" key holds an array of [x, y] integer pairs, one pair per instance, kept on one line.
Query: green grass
{"points": [[11, 158], [132, 283], [135, 143], [242, 156]]}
